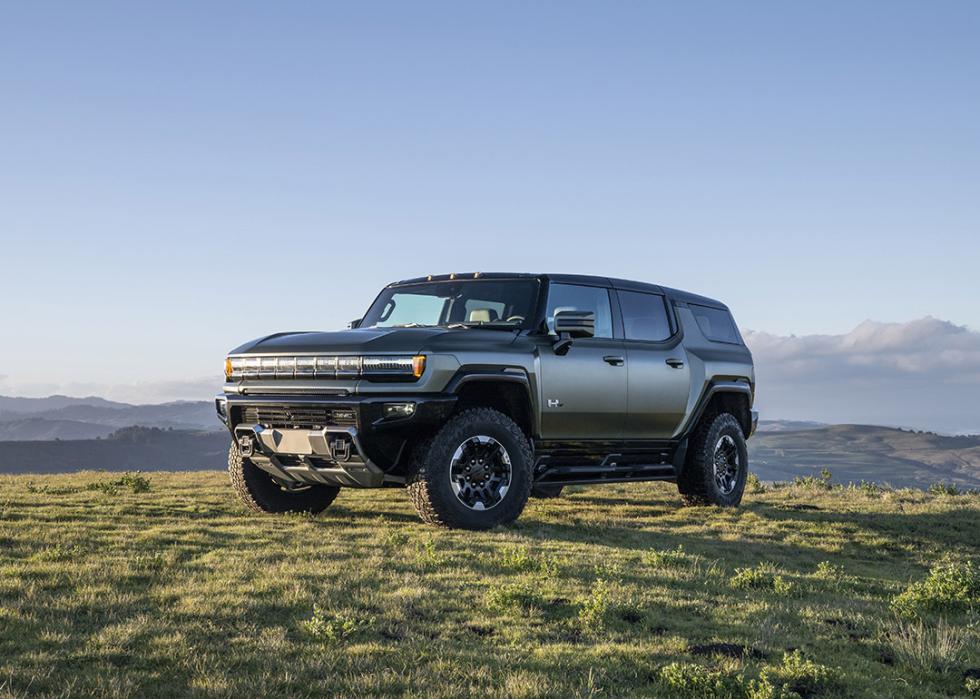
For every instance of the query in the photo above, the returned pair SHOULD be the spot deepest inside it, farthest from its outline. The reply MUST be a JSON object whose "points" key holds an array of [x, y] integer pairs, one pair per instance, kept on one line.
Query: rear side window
{"points": [[716, 325], [644, 316]]}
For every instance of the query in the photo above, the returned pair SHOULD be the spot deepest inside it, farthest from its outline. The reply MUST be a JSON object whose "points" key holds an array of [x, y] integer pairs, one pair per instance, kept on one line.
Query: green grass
{"points": [[120, 587]]}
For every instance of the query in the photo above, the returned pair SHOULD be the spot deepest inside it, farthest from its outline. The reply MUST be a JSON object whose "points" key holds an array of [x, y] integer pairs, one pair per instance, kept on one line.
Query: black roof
{"points": [[609, 282]]}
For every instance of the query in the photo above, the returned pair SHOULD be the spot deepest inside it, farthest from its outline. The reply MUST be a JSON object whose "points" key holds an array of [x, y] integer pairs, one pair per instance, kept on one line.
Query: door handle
{"points": [[675, 363], [613, 360]]}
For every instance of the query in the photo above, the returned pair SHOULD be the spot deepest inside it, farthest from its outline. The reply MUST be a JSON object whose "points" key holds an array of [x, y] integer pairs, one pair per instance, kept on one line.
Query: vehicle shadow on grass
{"points": [[897, 529], [946, 529]]}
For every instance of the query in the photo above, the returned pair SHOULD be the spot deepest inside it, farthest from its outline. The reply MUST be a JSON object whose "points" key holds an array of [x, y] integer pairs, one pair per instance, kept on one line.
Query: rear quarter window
{"points": [[716, 324]]}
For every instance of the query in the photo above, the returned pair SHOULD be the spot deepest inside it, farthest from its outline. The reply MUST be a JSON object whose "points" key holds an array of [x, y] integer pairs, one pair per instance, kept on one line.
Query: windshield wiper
{"points": [[411, 325]]}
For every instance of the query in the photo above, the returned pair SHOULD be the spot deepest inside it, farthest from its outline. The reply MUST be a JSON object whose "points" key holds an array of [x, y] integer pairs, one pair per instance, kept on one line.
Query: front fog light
{"points": [[395, 410]]}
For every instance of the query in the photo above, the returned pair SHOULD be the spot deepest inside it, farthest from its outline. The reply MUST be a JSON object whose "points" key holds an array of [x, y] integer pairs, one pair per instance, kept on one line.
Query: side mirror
{"points": [[354, 324], [572, 324]]}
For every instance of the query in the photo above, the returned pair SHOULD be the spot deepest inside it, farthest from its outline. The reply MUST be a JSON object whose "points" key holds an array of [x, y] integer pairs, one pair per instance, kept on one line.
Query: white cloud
{"points": [[924, 373]]}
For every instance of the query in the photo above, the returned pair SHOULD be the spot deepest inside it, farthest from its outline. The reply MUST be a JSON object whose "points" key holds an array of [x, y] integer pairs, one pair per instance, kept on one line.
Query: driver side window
{"points": [[572, 297]]}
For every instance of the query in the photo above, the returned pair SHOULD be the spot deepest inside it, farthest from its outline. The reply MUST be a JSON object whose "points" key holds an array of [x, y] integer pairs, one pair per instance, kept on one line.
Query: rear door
{"points": [[583, 393], [658, 372]]}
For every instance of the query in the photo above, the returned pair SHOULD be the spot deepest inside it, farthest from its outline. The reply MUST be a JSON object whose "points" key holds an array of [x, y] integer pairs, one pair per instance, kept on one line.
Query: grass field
{"points": [[165, 587]]}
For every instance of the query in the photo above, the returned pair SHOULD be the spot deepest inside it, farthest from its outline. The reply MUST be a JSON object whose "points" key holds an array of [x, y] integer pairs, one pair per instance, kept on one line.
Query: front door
{"points": [[583, 392]]}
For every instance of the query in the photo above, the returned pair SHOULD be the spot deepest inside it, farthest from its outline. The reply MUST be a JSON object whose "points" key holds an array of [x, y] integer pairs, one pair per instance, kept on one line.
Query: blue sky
{"points": [[177, 178]]}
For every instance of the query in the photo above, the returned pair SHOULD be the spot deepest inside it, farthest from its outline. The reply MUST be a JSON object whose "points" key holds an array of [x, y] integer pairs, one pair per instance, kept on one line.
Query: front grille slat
{"points": [[303, 417]]}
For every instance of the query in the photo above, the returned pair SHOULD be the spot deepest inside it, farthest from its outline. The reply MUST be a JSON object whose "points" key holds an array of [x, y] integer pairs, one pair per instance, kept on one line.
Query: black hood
{"points": [[376, 341]]}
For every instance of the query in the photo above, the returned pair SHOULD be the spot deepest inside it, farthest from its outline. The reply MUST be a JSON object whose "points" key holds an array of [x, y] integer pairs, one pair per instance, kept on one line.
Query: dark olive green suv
{"points": [[476, 391]]}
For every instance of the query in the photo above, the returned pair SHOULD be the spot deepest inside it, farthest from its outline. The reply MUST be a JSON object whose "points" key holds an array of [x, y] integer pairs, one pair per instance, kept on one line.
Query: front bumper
{"points": [[367, 450]]}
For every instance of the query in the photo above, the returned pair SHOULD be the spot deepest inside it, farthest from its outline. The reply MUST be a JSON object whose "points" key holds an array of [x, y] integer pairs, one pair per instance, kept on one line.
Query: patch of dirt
{"points": [[631, 616]]}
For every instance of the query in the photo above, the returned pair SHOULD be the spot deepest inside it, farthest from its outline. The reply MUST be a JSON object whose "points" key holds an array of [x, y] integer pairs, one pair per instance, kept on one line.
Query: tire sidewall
{"points": [[439, 459], [725, 424], [259, 491]]}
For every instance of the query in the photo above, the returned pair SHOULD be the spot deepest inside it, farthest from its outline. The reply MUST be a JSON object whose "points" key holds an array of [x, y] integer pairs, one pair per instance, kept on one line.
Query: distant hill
{"points": [[902, 458], [789, 425], [61, 417], [132, 448], [43, 429], [28, 406]]}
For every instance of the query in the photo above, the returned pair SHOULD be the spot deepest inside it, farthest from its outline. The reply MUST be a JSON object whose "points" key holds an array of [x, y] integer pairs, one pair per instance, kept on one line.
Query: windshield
{"points": [[491, 302]]}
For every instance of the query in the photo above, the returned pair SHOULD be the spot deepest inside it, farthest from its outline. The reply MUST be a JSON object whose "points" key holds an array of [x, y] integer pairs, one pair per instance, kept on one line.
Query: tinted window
{"points": [[716, 325], [406, 309], [462, 301], [644, 316], [570, 297]]}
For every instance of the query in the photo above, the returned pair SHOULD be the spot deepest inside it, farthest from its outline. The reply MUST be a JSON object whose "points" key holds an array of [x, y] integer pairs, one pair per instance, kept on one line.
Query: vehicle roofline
{"points": [[676, 295]]}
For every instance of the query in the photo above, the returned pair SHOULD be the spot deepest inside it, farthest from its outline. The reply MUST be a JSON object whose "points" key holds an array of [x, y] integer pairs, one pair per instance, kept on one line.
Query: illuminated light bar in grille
{"points": [[323, 367]]}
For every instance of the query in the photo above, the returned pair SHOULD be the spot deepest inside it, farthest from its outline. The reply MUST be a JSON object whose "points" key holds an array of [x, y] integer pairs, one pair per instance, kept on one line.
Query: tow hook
{"points": [[340, 449], [245, 445]]}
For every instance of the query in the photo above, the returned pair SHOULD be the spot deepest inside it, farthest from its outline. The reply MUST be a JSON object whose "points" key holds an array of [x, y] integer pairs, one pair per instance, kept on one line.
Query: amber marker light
{"points": [[227, 369], [418, 365]]}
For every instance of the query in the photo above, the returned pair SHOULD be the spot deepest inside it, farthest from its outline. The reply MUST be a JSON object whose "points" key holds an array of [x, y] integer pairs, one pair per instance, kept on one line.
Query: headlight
{"points": [[376, 368]]}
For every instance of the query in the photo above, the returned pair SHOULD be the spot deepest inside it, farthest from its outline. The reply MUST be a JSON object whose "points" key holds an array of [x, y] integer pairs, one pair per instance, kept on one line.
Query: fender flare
{"points": [[713, 388], [472, 374]]}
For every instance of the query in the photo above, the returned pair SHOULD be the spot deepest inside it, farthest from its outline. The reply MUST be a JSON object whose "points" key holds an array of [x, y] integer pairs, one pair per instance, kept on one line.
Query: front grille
{"points": [[301, 416]]}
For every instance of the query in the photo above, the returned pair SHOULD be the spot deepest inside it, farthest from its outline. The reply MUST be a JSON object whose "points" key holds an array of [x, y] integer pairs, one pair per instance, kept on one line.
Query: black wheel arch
{"points": [[506, 389], [723, 395]]}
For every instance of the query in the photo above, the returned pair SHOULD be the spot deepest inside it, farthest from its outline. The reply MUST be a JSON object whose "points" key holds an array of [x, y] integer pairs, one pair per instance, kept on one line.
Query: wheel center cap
{"points": [[478, 472]]}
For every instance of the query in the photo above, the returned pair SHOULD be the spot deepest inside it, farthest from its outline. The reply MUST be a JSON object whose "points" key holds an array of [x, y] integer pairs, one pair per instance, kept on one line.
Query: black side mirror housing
{"points": [[570, 325], [354, 324]]}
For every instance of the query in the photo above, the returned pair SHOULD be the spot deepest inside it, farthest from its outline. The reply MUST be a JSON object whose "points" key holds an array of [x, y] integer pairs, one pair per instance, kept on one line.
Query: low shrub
{"points": [[521, 560], [136, 482], [951, 587], [943, 488], [761, 577], [926, 647], [592, 612], [795, 677], [331, 626], [822, 481], [754, 485], [830, 573], [869, 488], [428, 553], [693, 680], [666, 558], [520, 596]]}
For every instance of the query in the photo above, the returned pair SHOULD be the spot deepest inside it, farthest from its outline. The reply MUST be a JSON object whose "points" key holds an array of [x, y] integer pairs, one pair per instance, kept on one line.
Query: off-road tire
{"points": [[546, 492], [697, 483], [260, 493], [429, 483]]}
